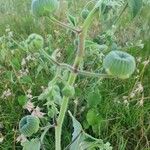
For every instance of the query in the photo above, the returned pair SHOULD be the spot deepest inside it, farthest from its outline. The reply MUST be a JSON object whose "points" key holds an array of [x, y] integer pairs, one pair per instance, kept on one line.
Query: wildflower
{"points": [[21, 138], [23, 63], [139, 59], [29, 57], [37, 112], [132, 94], [7, 29], [139, 88], [141, 102], [29, 91], [126, 102], [7, 93], [29, 106], [23, 72], [146, 62], [1, 138], [10, 34]]}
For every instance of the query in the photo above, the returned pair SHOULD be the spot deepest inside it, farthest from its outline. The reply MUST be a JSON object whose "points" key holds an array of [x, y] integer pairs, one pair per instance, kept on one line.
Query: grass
{"points": [[124, 121]]}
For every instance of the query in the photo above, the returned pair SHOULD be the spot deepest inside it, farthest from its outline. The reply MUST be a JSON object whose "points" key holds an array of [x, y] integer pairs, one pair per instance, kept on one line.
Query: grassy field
{"points": [[122, 107]]}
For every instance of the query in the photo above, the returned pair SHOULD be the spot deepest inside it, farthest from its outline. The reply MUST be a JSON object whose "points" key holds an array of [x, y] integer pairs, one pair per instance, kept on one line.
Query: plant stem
{"points": [[71, 80], [73, 75], [64, 25], [72, 69]]}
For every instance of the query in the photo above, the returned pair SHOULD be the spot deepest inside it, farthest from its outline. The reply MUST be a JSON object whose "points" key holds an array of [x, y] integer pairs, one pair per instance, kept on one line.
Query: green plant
{"points": [[35, 41], [123, 70]]}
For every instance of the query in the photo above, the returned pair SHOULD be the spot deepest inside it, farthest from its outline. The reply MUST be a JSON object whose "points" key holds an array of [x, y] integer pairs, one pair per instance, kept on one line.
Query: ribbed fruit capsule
{"points": [[41, 8], [68, 91], [29, 125], [85, 13], [35, 41], [119, 64]]}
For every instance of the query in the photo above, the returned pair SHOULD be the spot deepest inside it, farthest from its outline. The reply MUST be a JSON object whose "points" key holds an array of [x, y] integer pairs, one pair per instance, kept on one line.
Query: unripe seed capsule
{"points": [[85, 13], [119, 64], [29, 125], [41, 8], [35, 41]]}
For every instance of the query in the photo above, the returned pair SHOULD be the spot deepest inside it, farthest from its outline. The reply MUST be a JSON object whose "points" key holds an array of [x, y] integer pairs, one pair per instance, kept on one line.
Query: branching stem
{"points": [[77, 71], [73, 75]]}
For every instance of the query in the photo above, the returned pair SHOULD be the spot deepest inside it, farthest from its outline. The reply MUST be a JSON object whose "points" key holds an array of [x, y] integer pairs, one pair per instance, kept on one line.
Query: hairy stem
{"points": [[72, 69], [73, 75], [63, 109], [64, 25]]}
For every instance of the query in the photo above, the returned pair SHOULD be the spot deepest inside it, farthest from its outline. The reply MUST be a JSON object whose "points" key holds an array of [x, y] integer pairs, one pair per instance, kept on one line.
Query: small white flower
{"points": [[141, 102], [23, 63], [126, 103], [132, 95], [29, 91], [146, 62], [10, 34], [1, 138], [21, 138], [7, 30], [29, 57], [37, 112], [139, 88], [29, 106], [139, 59], [7, 93], [29, 96]]}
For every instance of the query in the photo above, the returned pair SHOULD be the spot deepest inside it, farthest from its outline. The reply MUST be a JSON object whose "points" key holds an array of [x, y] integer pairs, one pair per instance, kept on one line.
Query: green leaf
{"points": [[84, 141], [77, 135], [15, 63], [22, 100], [94, 98], [93, 117], [34, 144], [72, 19], [135, 7], [26, 80]]}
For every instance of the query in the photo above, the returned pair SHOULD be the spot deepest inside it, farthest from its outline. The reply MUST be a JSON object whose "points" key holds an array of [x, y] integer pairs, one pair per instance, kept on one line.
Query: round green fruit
{"points": [[35, 41], [85, 13], [41, 8], [68, 91], [119, 64], [29, 125]]}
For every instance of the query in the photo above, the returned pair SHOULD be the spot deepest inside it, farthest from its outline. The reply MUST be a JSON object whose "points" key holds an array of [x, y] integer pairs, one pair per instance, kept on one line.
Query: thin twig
{"points": [[71, 68], [65, 25]]}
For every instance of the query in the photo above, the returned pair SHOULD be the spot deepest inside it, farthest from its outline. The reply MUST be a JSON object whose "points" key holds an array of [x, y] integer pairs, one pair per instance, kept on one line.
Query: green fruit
{"points": [[68, 91], [119, 64], [29, 125], [35, 41], [85, 13], [41, 8]]}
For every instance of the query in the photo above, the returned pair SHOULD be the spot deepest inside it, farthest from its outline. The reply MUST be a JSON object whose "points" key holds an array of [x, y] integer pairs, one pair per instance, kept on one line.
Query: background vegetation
{"points": [[111, 109]]}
